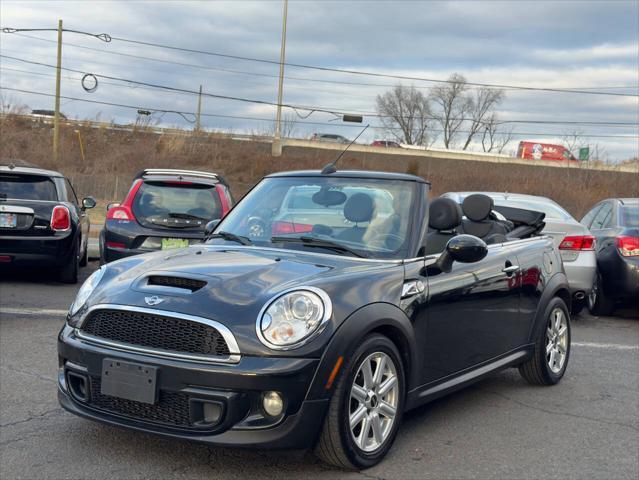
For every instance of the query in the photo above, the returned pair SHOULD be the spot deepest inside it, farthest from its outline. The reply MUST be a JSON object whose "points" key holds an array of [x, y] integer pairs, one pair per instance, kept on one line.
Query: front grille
{"points": [[176, 282], [171, 408], [156, 331]]}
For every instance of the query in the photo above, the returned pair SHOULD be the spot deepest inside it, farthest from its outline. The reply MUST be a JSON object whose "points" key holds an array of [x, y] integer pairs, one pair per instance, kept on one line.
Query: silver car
{"points": [[574, 241]]}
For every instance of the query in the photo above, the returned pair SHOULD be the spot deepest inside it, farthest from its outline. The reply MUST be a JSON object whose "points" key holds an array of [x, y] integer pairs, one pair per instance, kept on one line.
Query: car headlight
{"points": [[293, 318], [86, 290]]}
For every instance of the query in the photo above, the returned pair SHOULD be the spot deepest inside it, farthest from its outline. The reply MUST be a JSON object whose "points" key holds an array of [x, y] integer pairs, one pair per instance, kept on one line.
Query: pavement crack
{"points": [[28, 373], [551, 412], [32, 417]]}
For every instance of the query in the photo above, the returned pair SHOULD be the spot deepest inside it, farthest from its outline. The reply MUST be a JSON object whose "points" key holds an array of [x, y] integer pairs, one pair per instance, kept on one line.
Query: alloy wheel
{"points": [[557, 340], [373, 401]]}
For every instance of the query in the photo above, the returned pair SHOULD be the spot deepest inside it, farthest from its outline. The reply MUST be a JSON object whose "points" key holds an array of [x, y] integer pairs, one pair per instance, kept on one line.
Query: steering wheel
{"points": [[391, 241], [256, 227]]}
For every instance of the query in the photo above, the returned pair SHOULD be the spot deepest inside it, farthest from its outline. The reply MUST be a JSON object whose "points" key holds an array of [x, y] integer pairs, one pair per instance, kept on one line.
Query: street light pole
{"points": [[277, 141], [56, 117]]}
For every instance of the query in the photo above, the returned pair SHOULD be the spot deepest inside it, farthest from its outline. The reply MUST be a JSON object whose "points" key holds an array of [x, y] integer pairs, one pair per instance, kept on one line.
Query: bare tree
{"points": [[493, 138], [288, 127], [573, 141], [452, 106], [480, 112], [405, 113]]}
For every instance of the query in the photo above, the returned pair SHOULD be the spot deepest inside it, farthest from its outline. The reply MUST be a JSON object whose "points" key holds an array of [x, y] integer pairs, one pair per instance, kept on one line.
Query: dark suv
{"points": [[274, 336], [164, 209]]}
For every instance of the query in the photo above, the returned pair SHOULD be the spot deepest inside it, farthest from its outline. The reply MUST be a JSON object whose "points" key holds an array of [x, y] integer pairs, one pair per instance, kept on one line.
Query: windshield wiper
{"points": [[320, 243], [185, 216], [232, 237]]}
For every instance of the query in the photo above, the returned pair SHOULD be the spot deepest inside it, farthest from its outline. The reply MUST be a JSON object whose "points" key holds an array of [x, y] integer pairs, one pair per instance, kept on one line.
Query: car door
{"points": [[473, 313]]}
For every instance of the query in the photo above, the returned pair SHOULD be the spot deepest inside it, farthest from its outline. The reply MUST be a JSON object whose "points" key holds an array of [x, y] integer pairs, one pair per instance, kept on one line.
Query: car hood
{"points": [[241, 280]]}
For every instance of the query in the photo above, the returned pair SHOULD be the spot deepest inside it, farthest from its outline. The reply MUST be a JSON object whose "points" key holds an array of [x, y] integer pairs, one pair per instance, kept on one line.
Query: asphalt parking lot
{"points": [[585, 427]]}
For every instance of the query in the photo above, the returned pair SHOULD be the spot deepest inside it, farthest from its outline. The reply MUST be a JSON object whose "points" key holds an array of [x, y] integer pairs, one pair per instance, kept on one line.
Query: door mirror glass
{"points": [[88, 202], [208, 230]]}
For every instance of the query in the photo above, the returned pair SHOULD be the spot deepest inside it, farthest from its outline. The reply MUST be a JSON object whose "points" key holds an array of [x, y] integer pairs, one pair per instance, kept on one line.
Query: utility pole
{"points": [[56, 118], [277, 141], [199, 111]]}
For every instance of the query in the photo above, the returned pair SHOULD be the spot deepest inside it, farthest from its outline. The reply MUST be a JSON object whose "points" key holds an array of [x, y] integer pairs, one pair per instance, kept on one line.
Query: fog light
{"points": [[273, 404], [212, 412]]}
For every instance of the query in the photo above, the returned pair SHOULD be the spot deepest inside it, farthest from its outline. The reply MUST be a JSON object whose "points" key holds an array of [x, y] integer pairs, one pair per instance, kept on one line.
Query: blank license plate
{"points": [[8, 220], [132, 381], [169, 243]]}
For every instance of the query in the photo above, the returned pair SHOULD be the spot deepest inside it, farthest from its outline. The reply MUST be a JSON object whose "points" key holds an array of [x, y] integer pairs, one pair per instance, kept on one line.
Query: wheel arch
{"points": [[557, 286], [383, 318]]}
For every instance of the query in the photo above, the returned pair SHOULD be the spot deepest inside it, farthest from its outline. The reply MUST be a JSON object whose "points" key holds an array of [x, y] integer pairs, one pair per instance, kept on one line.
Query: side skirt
{"points": [[439, 388]]}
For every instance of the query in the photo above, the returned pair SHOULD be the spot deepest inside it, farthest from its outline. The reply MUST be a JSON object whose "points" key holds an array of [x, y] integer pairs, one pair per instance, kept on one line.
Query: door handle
{"points": [[510, 269]]}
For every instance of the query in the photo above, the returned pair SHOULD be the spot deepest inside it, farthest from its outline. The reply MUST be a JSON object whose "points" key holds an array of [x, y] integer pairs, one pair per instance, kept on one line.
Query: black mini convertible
{"points": [[318, 311]]}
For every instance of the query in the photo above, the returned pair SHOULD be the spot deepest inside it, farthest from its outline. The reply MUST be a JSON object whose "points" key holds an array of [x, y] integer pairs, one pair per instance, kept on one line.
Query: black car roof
{"points": [[29, 170], [352, 174]]}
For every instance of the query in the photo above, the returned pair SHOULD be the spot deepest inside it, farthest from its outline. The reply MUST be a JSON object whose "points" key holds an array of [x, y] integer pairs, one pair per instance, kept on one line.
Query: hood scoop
{"points": [[191, 284]]}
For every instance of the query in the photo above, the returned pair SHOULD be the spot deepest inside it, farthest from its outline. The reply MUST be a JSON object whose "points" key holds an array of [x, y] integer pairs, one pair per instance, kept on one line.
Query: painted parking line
{"points": [[611, 346]]}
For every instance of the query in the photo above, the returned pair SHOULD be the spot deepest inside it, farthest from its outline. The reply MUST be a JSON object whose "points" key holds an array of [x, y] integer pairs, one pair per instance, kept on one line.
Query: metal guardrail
{"points": [[407, 151]]}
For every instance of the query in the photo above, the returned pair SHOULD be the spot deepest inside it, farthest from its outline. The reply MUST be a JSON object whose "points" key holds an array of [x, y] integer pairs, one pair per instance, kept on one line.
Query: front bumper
{"points": [[237, 387]]}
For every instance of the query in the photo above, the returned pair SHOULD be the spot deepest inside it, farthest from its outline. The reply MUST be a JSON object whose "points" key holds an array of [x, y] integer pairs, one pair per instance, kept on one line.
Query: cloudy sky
{"points": [[583, 45]]}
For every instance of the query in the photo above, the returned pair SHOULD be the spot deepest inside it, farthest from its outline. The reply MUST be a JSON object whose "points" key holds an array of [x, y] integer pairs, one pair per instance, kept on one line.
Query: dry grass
{"points": [[114, 156]]}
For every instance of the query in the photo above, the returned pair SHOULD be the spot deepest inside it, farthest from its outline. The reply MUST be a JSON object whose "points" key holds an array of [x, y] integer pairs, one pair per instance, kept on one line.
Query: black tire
{"points": [[537, 370], [69, 273], [599, 303], [336, 446], [84, 260]]}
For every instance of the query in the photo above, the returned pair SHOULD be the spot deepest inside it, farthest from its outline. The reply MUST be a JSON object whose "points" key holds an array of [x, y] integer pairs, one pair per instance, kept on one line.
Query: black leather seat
{"points": [[444, 216], [477, 208], [359, 208]]}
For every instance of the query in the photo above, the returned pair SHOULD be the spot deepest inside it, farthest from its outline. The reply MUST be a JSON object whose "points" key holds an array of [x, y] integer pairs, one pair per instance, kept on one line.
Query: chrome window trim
{"points": [[328, 313], [234, 350]]}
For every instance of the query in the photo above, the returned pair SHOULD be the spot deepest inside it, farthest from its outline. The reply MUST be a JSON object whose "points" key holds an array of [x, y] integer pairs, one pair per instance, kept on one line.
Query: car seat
{"points": [[444, 216], [359, 208], [477, 209]]}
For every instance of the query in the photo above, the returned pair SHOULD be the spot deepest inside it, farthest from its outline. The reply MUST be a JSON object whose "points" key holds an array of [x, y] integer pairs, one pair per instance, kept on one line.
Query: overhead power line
{"points": [[269, 75], [270, 120], [295, 108], [354, 72]]}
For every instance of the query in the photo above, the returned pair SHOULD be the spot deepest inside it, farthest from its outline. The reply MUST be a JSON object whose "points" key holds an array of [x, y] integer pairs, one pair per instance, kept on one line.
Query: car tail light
{"points": [[124, 211], [578, 242], [60, 218], [628, 246], [115, 245], [288, 227]]}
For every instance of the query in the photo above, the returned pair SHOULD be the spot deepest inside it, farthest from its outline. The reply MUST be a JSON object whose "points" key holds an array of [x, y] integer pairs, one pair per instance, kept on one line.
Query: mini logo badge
{"points": [[154, 300]]}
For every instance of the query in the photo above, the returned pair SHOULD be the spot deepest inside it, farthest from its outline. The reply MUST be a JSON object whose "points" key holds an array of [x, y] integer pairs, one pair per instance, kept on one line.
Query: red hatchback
{"points": [[164, 209]]}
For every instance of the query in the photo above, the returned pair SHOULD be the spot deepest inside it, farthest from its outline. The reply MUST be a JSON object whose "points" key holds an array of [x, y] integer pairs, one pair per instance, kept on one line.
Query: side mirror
{"points": [[208, 229], [111, 205], [88, 202], [462, 249]]}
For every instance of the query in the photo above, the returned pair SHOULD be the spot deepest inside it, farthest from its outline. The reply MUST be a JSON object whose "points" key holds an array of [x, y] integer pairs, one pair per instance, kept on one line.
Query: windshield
{"points": [[365, 217], [157, 201], [27, 187], [631, 215]]}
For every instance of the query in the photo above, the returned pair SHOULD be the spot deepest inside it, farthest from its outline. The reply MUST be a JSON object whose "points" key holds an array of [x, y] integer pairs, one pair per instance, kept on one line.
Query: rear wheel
{"points": [[552, 347], [598, 302], [69, 273], [366, 408]]}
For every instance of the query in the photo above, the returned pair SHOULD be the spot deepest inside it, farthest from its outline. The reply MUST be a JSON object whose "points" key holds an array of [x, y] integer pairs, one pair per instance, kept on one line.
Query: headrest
{"points": [[444, 214], [359, 208], [477, 207]]}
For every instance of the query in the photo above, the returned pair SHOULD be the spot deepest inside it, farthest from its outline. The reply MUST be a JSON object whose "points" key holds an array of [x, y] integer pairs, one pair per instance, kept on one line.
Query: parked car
{"points": [[329, 138], [615, 224], [544, 151], [318, 339], [574, 241], [385, 143], [42, 222], [163, 209]]}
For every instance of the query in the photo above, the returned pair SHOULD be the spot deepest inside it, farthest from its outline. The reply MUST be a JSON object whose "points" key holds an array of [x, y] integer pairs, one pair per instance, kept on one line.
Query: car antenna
{"points": [[330, 168]]}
